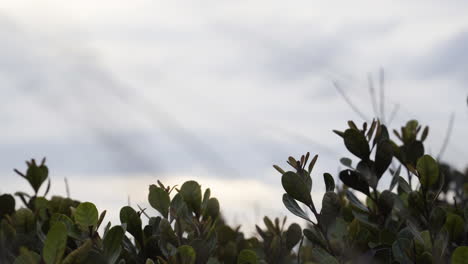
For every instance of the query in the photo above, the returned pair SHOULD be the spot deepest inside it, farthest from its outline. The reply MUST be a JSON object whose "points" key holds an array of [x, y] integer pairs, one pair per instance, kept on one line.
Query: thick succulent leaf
{"points": [[36, 175], [159, 199], [293, 235], [403, 185], [315, 236], [323, 257], [247, 256], [460, 255], [130, 217], [186, 254], [354, 201], [192, 195], [27, 257], [347, 162], [367, 171], [354, 180], [385, 201], [428, 171], [395, 177], [295, 186], [330, 208], [454, 224], [86, 215], [179, 209], [329, 182], [437, 218], [356, 143], [293, 207], [400, 250], [212, 208], [113, 244], [383, 157], [80, 254], [55, 244]]}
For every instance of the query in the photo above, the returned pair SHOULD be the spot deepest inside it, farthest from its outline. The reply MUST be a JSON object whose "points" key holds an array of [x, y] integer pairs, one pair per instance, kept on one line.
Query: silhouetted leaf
{"points": [[346, 162], [356, 143], [191, 193], [354, 180], [296, 187], [428, 170], [130, 217], [293, 235], [293, 207], [329, 182], [383, 157], [7, 205], [159, 199]]}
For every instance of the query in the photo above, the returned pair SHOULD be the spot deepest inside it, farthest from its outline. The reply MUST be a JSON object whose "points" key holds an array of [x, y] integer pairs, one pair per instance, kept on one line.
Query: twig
{"points": [[448, 133], [372, 94], [382, 94], [345, 97], [67, 187]]}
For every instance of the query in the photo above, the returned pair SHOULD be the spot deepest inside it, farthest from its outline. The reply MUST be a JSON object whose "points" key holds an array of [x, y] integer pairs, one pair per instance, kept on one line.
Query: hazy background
{"points": [[118, 94]]}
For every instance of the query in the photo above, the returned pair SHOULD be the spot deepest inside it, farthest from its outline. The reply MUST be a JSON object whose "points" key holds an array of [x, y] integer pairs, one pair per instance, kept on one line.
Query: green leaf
{"points": [[395, 177], [191, 193], [356, 143], [36, 175], [86, 215], [159, 199], [80, 254], [186, 254], [7, 205], [113, 244], [454, 225], [460, 255], [55, 243], [130, 217], [296, 187], [428, 171], [247, 256], [355, 180], [329, 182], [323, 257], [293, 207], [212, 208], [383, 157], [400, 250], [179, 209], [64, 219], [346, 162], [27, 257], [330, 208], [293, 235], [354, 201], [315, 236]]}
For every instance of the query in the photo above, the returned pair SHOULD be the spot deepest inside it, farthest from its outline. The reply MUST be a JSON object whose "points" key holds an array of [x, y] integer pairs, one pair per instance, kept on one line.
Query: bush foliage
{"points": [[421, 217]]}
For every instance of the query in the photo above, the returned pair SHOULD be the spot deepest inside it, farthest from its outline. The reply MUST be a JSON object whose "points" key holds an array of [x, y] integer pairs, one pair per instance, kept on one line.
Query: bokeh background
{"points": [[118, 94]]}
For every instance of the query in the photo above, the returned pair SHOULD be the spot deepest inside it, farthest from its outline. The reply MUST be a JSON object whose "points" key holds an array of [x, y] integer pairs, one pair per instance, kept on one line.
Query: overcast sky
{"points": [[127, 92]]}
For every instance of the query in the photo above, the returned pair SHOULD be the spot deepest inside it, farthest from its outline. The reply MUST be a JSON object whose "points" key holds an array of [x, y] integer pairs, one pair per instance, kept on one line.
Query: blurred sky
{"points": [[118, 94]]}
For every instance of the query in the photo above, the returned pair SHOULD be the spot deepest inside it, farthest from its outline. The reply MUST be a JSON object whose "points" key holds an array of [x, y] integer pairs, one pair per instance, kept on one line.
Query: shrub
{"points": [[410, 221]]}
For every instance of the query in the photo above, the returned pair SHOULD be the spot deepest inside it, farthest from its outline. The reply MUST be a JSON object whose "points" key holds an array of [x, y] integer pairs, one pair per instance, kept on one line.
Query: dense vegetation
{"points": [[422, 217]]}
